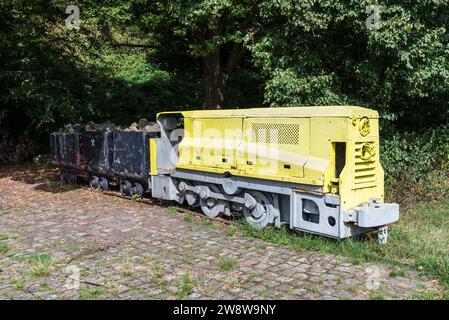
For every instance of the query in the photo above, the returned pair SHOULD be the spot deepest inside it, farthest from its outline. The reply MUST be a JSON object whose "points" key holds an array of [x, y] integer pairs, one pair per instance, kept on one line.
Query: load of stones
{"points": [[143, 125]]}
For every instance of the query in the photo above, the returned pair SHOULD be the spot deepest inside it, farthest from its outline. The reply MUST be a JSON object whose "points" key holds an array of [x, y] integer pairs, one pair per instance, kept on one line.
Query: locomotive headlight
{"points": [[367, 151]]}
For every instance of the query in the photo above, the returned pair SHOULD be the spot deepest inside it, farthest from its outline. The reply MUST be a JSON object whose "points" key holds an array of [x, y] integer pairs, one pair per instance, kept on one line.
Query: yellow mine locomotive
{"points": [[314, 169]]}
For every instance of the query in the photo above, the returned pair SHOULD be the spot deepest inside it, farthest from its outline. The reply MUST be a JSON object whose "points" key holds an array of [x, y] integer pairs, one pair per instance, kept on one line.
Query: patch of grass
{"points": [[90, 293], [184, 286], [311, 288], [172, 210], [355, 260], [264, 293], [376, 296], [188, 218], [126, 273], [397, 273], [233, 283], [3, 247], [352, 290], [159, 272], [84, 272], [5, 295], [230, 232], [135, 197], [226, 264], [44, 285], [41, 265], [19, 284], [206, 222], [425, 296], [419, 241]]}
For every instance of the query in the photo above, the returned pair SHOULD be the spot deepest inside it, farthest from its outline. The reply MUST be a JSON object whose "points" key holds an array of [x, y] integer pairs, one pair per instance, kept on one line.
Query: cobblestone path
{"points": [[121, 249]]}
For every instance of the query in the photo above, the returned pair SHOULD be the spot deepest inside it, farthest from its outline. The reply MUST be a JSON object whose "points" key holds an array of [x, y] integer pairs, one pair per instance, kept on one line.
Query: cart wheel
{"points": [[125, 188], [63, 177], [103, 184], [72, 179], [137, 189], [93, 182]]}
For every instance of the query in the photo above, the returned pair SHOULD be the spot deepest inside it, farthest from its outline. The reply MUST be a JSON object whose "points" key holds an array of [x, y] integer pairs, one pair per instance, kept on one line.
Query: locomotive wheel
{"points": [[212, 207], [103, 184], [263, 212], [125, 188], [192, 199], [137, 189], [93, 183]]}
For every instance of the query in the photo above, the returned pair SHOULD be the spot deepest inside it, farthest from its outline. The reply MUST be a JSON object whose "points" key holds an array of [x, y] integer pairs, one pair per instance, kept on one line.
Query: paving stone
{"points": [[129, 250]]}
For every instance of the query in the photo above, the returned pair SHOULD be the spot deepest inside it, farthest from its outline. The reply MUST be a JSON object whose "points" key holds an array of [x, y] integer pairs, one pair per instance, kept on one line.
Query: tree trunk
{"points": [[215, 81]]}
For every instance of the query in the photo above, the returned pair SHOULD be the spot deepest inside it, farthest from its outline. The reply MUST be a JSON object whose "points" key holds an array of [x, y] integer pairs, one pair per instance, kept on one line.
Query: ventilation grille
{"points": [[364, 169], [276, 133]]}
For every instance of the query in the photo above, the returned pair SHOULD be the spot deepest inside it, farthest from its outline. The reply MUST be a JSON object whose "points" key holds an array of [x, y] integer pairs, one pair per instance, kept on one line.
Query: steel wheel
{"points": [[263, 212], [212, 207], [125, 188], [93, 183], [71, 179], [103, 184], [137, 189], [63, 177]]}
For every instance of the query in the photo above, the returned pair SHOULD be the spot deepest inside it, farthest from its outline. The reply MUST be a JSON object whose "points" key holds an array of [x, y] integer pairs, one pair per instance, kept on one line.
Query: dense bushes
{"points": [[321, 52], [415, 164]]}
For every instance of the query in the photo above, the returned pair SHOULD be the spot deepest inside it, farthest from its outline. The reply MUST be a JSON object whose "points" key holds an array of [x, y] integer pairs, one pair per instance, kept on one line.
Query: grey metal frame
{"points": [[346, 222]]}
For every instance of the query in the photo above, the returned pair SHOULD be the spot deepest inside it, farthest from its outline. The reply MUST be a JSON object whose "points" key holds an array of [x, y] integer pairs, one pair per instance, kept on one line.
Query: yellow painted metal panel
{"points": [[153, 157], [210, 142], [363, 176], [304, 147], [275, 146], [290, 112]]}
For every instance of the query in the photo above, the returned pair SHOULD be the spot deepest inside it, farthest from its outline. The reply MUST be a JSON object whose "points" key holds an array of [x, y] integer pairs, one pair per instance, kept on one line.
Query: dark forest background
{"points": [[132, 59]]}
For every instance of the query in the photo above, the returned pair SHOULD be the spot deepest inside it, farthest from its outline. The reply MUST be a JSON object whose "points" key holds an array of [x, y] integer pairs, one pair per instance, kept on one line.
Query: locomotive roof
{"points": [[287, 112]]}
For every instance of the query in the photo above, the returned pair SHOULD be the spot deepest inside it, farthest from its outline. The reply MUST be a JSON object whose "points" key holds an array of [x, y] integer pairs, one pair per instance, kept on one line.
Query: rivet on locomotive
{"points": [[313, 169]]}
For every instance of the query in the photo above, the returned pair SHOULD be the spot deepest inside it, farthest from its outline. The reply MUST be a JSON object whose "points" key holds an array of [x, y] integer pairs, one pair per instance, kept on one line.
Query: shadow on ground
{"points": [[44, 178]]}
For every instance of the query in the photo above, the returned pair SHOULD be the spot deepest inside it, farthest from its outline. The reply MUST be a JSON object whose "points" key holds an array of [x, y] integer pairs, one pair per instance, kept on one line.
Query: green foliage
{"points": [[90, 293], [412, 155], [41, 265], [415, 164], [321, 52], [172, 210], [3, 247], [230, 232], [289, 90], [198, 27], [130, 59], [53, 75], [226, 264], [184, 286], [135, 197], [188, 218]]}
